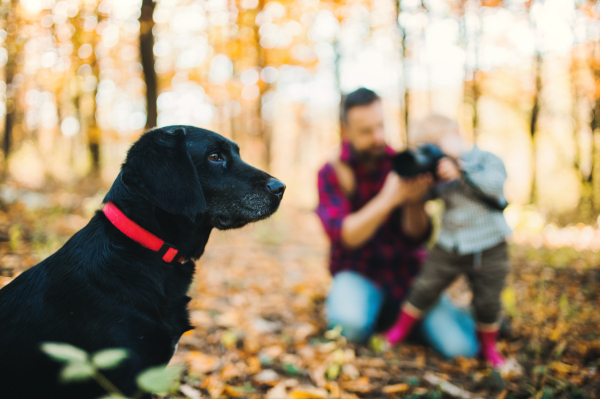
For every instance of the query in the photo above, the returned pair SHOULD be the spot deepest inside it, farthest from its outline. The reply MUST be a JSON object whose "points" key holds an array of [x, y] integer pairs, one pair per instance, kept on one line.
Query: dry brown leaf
{"points": [[375, 373], [213, 385], [272, 352], [201, 363], [201, 318], [279, 391], [190, 392], [370, 362], [267, 377], [563, 368], [421, 361], [230, 371], [318, 374], [397, 388], [308, 392], [350, 371], [466, 364], [254, 365], [447, 387], [361, 385], [334, 389], [231, 392], [303, 331]]}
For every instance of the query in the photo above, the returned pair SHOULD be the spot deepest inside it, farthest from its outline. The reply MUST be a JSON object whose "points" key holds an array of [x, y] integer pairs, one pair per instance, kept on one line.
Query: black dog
{"points": [[103, 289]]}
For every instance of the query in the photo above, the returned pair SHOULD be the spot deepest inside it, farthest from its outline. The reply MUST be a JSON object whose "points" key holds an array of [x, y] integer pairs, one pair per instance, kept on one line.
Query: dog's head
{"points": [[197, 173]]}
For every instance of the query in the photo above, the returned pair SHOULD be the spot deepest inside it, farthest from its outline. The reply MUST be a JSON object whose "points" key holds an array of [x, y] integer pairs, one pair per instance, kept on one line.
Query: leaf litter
{"points": [[260, 329]]}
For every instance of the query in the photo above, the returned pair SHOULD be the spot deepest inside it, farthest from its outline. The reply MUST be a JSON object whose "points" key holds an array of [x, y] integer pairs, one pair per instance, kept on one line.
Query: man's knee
{"points": [[353, 303]]}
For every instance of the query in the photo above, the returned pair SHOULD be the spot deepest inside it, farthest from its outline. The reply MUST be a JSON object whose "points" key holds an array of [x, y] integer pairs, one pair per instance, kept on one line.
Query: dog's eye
{"points": [[216, 157]]}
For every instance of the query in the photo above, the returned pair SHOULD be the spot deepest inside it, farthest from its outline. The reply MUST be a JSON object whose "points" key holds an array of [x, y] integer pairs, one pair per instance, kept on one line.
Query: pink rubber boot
{"points": [[488, 348], [402, 328]]}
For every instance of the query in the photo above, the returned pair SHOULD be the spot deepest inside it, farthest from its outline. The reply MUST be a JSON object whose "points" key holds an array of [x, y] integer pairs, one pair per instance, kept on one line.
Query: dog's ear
{"points": [[159, 168]]}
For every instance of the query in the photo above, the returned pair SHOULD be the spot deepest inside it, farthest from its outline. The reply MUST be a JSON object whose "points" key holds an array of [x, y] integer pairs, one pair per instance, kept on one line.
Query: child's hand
{"points": [[447, 170]]}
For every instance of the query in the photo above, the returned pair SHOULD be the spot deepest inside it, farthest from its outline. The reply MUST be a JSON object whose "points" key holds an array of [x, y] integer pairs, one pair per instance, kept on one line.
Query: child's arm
{"points": [[486, 179]]}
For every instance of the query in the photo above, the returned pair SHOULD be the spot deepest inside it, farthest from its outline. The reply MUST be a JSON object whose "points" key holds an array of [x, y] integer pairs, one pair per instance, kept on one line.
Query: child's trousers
{"points": [[485, 270]]}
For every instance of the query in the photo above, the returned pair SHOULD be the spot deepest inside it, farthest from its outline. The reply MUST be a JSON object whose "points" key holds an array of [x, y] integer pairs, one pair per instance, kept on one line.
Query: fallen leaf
{"points": [[201, 318], [190, 392], [279, 391], [308, 392], [349, 370], [370, 362], [254, 365], [267, 377], [213, 385], [201, 363], [334, 389], [232, 392], [230, 371], [375, 373], [397, 388], [361, 385], [563, 368], [447, 387]]}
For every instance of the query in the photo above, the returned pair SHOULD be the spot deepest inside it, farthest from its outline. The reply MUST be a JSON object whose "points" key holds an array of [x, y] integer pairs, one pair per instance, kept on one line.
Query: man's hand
{"points": [[393, 193], [398, 191], [415, 188], [447, 170]]}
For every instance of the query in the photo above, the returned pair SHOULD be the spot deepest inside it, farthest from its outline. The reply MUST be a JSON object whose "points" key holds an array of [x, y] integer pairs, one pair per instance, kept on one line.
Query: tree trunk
{"points": [[594, 177], [264, 132], [406, 98], [9, 74], [93, 132], [535, 111], [147, 58]]}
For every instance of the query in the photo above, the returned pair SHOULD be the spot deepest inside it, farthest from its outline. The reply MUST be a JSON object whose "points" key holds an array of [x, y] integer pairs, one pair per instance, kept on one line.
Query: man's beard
{"points": [[372, 154]]}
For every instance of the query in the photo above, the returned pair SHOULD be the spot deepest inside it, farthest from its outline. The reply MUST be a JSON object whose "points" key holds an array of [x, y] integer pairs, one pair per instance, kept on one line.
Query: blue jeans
{"points": [[354, 303]]}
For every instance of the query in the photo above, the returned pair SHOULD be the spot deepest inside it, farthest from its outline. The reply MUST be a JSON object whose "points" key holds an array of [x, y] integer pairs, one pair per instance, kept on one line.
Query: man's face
{"points": [[364, 130]]}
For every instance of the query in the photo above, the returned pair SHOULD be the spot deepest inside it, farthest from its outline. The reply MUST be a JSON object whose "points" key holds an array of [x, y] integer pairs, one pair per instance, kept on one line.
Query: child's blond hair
{"points": [[431, 129]]}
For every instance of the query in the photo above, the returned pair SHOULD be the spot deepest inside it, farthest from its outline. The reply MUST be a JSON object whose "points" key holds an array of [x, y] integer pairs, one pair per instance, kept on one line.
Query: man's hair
{"points": [[358, 98], [431, 128]]}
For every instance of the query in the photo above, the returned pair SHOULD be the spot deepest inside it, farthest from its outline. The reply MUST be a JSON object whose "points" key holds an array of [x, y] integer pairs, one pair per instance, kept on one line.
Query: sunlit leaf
{"points": [[229, 339], [158, 379], [509, 301], [333, 333], [396, 388], [563, 304], [109, 358], [64, 352], [76, 372], [333, 371]]}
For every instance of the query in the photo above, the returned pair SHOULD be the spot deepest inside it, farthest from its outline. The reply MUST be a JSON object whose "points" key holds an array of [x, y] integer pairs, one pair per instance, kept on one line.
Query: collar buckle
{"points": [[167, 252]]}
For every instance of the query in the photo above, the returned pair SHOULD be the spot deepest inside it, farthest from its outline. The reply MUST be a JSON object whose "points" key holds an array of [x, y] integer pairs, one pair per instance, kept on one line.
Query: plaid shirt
{"points": [[469, 225], [390, 259]]}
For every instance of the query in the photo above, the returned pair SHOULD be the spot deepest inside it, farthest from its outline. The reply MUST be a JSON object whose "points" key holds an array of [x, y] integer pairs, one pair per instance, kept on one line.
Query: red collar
{"points": [[139, 234]]}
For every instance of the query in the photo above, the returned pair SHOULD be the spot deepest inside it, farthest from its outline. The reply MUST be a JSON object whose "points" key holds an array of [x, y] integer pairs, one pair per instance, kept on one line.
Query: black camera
{"points": [[424, 159]]}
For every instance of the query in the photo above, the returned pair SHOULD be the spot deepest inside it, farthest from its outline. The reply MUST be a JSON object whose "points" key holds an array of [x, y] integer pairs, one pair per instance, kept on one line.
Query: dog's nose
{"points": [[276, 187]]}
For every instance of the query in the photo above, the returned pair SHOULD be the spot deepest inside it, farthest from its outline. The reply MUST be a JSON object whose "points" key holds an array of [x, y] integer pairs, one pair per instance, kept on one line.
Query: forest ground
{"points": [[257, 308]]}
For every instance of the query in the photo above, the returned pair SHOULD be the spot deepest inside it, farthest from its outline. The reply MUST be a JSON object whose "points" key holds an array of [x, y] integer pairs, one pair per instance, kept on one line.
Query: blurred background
{"points": [[82, 79]]}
